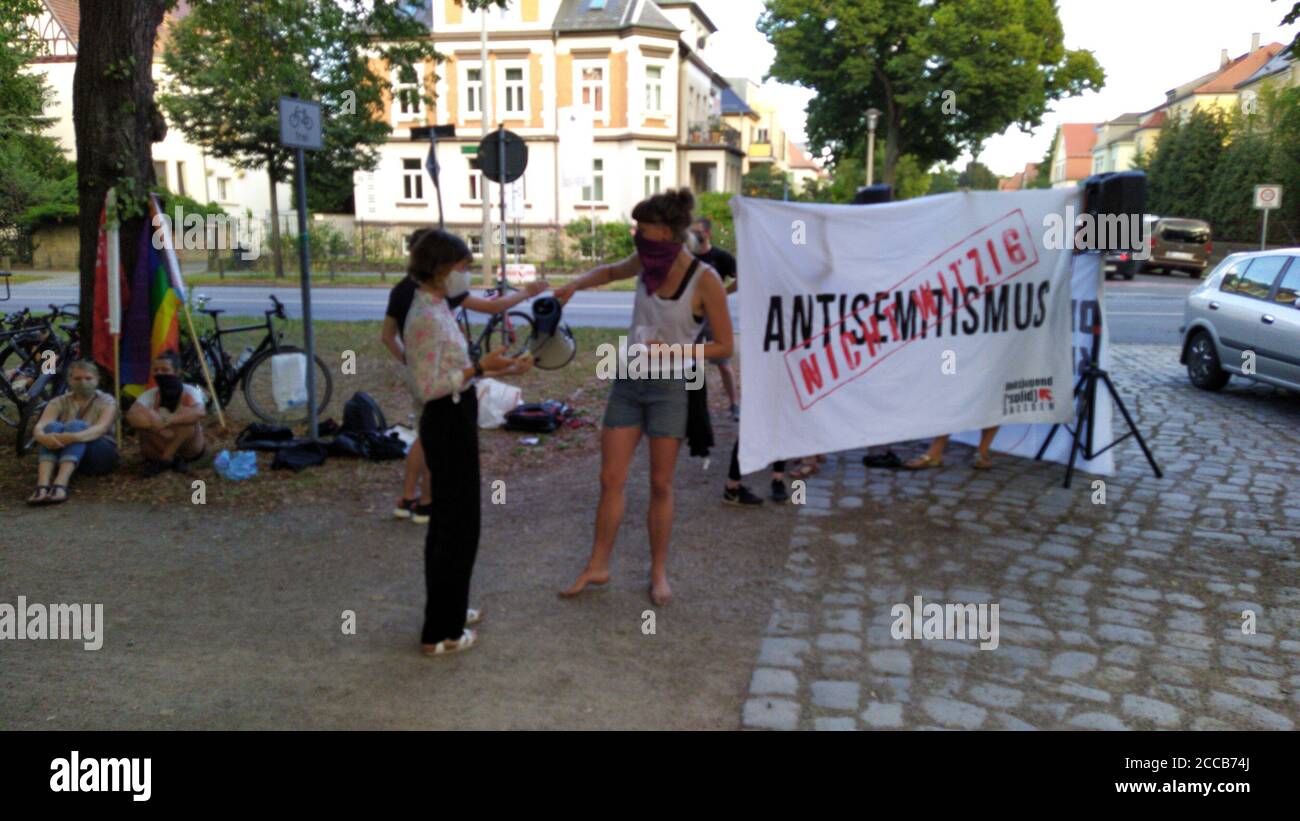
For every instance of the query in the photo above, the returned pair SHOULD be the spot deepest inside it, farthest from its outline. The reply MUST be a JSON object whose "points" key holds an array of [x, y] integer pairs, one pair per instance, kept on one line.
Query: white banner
{"points": [[866, 325], [1087, 307]]}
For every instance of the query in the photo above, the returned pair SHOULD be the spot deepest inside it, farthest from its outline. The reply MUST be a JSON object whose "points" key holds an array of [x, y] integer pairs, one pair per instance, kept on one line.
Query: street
{"points": [[1145, 311]]}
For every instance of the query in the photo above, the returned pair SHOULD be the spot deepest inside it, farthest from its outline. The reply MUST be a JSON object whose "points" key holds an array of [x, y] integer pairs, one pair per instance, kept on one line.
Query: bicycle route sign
{"points": [[300, 124]]}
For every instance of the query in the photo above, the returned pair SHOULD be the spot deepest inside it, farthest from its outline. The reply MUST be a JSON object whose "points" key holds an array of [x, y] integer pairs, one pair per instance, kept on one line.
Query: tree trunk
{"points": [[891, 155], [116, 123], [275, 226]]}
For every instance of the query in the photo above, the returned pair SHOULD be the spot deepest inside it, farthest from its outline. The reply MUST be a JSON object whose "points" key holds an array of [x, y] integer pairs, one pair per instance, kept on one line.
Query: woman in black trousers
{"points": [[441, 376]]}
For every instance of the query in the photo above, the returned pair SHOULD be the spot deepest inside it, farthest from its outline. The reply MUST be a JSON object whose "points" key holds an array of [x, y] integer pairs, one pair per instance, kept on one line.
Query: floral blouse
{"points": [[436, 352]]}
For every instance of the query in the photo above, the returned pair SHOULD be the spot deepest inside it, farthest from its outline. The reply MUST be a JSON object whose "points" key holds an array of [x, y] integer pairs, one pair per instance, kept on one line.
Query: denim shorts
{"points": [[657, 406]]}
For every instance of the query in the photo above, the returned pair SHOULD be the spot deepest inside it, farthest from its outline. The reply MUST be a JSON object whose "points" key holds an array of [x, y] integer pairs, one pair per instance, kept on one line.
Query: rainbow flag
{"points": [[152, 321]]}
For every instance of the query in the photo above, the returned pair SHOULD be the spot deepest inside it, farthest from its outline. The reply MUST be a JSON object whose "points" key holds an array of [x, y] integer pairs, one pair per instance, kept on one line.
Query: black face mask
{"points": [[169, 390]]}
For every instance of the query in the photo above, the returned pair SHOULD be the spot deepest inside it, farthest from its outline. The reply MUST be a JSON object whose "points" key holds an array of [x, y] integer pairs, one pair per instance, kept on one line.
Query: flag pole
{"points": [[113, 282], [174, 266], [117, 383]]}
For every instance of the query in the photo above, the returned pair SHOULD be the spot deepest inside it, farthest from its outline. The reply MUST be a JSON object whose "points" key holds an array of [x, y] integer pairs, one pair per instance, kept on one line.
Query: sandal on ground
{"points": [[41, 496], [447, 646], [923, 463], [982, 463], [54, 498], [473, 616]]}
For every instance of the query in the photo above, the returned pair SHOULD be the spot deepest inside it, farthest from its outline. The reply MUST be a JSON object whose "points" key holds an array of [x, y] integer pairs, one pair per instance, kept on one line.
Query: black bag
{"points": [[298, 455], [362, 414], [260, 436], [538, 417], [375, 446]]}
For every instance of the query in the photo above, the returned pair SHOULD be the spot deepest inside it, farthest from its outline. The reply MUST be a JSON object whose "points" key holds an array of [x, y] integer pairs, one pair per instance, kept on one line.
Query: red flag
{"points": [[103, 323]]}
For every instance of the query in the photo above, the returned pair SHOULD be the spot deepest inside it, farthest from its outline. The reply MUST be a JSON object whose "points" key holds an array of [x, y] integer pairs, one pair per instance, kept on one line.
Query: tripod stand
{"points": [[1087, 386]]}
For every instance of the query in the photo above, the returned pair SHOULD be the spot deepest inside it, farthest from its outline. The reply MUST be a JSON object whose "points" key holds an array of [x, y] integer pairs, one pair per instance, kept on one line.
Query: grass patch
{"points": [[22, 279], [376, 373]]}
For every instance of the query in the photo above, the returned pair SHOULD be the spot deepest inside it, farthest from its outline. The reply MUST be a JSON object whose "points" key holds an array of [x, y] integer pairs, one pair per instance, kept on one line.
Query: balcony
{"points": [[713, 134], [760, 150]]}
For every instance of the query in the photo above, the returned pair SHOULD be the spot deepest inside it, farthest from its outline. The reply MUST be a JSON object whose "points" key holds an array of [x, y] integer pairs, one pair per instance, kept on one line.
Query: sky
{"points": [[1145, 46]]}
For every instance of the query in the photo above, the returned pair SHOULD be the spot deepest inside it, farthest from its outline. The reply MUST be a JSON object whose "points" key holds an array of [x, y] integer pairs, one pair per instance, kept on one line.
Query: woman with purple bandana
{"points": [[677, 292]]}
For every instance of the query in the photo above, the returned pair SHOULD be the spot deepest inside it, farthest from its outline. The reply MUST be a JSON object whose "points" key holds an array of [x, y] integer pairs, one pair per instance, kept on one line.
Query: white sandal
{"points": [[473, 616], [446, 646]]}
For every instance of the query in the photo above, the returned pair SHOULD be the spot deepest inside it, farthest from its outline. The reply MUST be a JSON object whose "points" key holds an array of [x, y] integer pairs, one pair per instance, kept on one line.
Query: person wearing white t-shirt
{"points": [[169, 419]]}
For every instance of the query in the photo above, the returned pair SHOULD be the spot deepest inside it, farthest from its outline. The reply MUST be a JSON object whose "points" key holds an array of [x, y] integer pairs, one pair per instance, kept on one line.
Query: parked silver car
{"points": [[1244, 320]]}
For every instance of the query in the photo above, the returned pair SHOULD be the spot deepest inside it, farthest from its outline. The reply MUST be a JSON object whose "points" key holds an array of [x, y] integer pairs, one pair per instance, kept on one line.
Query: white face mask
{"points": [[456, 283]]}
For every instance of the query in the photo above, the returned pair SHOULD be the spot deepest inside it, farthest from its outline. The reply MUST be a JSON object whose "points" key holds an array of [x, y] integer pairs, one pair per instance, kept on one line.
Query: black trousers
{"points": [[449, 434], [734, 472]]}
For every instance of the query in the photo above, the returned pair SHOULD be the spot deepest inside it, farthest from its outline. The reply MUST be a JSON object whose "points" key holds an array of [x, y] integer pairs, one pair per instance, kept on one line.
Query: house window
{"points": [[653, 176], [412, 180], [762, 136], [223, 189], [654, 88], [516, 245], [475, 186], [160, 173], [473, 91], [180, 178], [475, 243], [408, 93], [596, 191], [592, 88], [514, 87]]}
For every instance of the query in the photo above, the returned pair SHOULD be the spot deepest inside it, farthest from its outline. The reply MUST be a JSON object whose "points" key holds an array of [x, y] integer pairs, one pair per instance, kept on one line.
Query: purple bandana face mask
{"points": [[657, 257]]}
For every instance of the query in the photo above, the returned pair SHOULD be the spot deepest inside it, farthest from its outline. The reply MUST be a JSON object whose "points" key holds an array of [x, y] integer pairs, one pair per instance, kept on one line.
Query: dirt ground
{"points": [[220, 618]]}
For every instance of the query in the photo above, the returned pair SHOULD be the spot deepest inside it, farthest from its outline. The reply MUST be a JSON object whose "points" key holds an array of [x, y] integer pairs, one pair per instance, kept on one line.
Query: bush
{"points": [[716, 206], [612, 241]]}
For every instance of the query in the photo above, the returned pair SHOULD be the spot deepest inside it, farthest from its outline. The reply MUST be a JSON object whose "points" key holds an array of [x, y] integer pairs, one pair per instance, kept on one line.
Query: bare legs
{"points": [[728, 382], [166, 444], [617, 446], [934, 456], [415, 478]]}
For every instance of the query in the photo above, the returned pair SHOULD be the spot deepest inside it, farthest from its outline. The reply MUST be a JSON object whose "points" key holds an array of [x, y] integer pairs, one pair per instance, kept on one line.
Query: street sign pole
{"points": [[1263, 239], [300, 129], [501, 153], [304, 261], [1267, 197]]}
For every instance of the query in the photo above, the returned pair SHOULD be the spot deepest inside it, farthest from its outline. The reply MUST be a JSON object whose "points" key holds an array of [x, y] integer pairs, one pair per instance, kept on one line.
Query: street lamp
{"points": [[873, 117]]}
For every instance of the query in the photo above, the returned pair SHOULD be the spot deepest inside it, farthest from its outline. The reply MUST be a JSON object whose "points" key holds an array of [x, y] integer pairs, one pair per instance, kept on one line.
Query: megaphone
{"points": [[551, 345]]}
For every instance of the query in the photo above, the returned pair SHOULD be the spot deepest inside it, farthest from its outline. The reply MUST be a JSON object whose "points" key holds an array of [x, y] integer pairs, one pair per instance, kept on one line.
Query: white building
{"points": [[656, 104]]}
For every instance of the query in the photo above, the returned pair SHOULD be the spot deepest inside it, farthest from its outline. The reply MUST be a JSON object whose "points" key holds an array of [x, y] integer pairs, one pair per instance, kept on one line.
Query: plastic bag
{"points": [[237, 466], [495, 400], [289, 380]]}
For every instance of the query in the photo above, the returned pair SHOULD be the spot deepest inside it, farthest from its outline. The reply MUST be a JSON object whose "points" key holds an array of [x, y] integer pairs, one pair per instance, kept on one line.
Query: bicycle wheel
{"points": [[28, 415], [260, 396], [514, 337]]}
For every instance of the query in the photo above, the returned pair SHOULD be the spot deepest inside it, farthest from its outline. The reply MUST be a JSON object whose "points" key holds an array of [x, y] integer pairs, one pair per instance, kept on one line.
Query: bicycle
{"points": [[34, 367], [252, 371], [510, 329]]}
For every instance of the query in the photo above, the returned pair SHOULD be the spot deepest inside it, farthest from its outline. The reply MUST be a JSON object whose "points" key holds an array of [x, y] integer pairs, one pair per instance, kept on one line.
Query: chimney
{"points": [[1223, 58], [1254, 42]]}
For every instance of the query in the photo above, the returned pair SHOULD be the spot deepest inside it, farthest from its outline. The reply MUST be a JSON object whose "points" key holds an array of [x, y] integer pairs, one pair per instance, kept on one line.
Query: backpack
{"points": [[362, 414], [538, 417], [261, 436]]}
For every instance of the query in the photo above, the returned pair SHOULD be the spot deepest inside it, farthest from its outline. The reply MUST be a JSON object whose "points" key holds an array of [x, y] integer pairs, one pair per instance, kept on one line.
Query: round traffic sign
{"points": [[489, 156], [1267, 194]]}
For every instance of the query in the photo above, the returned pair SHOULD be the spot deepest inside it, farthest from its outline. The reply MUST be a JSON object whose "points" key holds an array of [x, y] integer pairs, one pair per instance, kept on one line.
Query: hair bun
{"points": [[684, 198]]}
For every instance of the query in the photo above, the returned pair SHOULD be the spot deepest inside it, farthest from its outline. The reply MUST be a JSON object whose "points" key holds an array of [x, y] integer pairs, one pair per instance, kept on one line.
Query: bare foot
{"points": [[587, 577], [660, 592]]}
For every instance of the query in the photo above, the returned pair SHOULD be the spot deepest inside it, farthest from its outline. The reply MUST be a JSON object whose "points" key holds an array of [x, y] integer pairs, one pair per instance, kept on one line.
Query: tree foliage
{"points": [[37, 182], [977, 177], [1181, 171], [946, 74]]}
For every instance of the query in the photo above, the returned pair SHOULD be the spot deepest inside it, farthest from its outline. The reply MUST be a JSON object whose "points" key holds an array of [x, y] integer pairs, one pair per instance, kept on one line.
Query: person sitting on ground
{"points": [[416, 502], [933, 458], [75, 432], [169, 419]]}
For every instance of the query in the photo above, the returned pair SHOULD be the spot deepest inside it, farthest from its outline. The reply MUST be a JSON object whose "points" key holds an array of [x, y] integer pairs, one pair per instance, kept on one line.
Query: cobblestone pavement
{"points": [[1127, 615]]}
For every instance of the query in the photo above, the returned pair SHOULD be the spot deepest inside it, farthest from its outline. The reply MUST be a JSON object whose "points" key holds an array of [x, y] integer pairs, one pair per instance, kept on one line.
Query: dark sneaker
{"points": [[420, 514], [741, 497], [735, 413], [778, 491], [403, 508], [888, 460]]}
